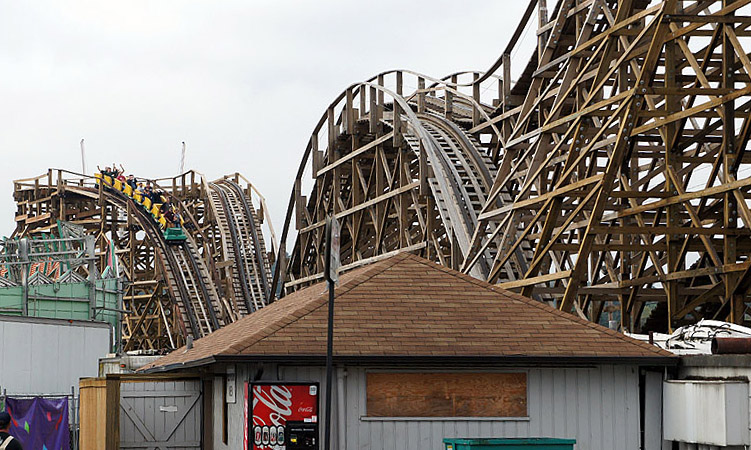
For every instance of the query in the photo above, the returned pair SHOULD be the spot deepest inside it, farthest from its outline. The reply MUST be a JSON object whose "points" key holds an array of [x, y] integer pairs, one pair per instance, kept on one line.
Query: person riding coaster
{"points": [[155, 201]]}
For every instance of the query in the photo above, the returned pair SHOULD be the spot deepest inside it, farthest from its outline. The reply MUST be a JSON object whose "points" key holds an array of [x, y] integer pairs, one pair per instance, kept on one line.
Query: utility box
{"points": [[510, 444], [706, 412]]}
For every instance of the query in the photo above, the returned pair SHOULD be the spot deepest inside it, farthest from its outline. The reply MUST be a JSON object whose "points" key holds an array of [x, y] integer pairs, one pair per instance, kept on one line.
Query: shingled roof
{"points": [[405, 308]]}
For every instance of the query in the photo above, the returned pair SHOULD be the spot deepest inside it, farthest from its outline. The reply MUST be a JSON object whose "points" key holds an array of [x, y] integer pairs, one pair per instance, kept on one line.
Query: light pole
{"points": [[332, 276]]}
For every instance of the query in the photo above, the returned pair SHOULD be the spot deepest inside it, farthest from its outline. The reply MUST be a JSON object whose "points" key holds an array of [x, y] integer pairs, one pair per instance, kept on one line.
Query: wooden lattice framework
{"points": [[612, 174], [154, 320]]}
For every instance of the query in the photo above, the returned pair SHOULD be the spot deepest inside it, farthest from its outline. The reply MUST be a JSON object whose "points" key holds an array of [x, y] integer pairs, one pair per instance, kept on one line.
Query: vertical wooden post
{"points": [[315, 155], [350, 113], [299, 204], [373, 113], [542, 20], [207, 433], [362, 93], [113, 412], [331, 150], [730, 155], [671, 164], [61, 213], [380, 96], [476, 97], [421, 95], [506, 81], [449, 99], [397, 122]]}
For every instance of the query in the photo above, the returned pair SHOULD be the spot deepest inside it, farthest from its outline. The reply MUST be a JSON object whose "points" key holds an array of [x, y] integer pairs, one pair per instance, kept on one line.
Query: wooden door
{"points": [[160, 415]]}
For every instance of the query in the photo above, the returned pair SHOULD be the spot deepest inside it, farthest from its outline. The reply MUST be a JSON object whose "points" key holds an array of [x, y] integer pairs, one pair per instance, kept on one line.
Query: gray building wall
{"points": [[48, 356], [597, 406]]}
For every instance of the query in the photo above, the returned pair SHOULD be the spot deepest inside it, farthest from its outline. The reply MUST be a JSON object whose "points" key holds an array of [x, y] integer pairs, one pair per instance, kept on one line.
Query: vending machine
{"points": [[282, 416]]}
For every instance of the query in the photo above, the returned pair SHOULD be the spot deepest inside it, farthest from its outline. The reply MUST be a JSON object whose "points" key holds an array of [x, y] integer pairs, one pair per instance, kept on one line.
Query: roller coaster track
{"points": [[610, 178], [186, 275], [176, 290], [236, 218]]}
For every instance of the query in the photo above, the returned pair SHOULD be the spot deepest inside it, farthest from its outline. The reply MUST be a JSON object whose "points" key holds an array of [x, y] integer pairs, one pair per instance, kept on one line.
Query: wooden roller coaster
{"points": [[610, 178], [174, 289]]}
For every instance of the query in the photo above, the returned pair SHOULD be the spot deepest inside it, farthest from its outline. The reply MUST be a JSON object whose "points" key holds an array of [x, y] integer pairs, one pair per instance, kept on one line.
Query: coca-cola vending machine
{"points": [[282, 416]]}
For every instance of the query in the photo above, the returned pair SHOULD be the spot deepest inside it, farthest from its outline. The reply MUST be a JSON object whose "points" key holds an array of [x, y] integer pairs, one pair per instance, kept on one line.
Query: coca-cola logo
{"points": [[305, 409], [278, 399]]}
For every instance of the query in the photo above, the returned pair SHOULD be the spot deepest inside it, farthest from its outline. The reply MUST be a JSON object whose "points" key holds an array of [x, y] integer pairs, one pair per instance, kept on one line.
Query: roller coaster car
{"points": [[174, 235]]}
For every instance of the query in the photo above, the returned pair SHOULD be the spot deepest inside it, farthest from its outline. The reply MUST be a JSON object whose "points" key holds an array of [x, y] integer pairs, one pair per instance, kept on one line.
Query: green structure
{"points": [[86, 300], [56, 277], [510, 444]]}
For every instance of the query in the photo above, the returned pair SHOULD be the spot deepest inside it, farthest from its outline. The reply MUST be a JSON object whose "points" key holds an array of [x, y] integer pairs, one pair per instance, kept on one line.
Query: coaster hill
{"points": [[185, 281], [611, 179]]}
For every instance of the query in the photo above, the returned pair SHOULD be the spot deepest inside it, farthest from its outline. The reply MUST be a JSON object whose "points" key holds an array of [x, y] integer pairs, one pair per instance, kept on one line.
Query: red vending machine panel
{"points": [[271, 408]]}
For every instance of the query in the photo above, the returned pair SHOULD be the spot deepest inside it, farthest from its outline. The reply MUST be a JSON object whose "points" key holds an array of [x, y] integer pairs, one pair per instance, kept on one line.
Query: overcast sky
{"points": [[243, 83]]}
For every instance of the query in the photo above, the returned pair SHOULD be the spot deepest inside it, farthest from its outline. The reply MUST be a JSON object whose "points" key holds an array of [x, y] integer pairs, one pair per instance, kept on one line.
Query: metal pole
{"points": [[83, 159], [182, 160], [72, 421], [23, 246], [329, 340]]}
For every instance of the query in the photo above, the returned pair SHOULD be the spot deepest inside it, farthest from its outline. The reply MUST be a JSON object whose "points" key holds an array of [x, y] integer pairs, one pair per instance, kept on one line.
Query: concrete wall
{"points": [[48, 356], [598, 406]]}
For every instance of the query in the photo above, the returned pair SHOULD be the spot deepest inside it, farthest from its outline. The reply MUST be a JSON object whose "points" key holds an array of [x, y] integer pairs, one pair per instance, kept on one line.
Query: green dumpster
{"points": [[510, 444]]}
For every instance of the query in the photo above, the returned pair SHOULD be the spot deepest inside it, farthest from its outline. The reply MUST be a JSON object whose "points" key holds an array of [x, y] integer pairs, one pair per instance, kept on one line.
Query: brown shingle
{"points": [[407, 306]]}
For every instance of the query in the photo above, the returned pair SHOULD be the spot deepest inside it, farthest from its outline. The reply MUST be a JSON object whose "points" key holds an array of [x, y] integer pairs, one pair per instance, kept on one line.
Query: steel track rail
{"points": [[182, 295], [186, 249], [169, 254], [257, 247], [241, 274]]}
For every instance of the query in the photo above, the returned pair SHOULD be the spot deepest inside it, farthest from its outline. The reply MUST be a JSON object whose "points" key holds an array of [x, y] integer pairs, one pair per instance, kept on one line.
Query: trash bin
{"points": [[510, 444]]}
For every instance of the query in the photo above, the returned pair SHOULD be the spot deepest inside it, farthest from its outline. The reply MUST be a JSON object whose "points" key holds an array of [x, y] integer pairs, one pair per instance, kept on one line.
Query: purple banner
{"points": [[39, 423]]}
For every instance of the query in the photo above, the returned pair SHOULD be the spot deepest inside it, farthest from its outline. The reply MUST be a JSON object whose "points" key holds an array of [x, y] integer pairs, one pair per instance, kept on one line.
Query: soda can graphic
{"points": [[280, 435], [272, 435], [257, 435], [265, 438]]}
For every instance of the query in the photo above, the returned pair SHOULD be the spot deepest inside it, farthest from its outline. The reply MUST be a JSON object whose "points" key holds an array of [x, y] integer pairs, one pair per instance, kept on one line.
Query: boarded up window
{"points": [[447, 394]]}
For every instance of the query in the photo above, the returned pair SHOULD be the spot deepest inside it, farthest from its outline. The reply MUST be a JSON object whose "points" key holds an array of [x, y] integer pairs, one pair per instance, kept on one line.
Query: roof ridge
{"points": [[540, 305], [367, 274]]}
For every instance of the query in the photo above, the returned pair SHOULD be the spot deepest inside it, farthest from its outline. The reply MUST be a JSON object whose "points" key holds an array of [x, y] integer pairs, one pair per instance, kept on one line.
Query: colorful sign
{"points": [[272, 406], [40, 423]]}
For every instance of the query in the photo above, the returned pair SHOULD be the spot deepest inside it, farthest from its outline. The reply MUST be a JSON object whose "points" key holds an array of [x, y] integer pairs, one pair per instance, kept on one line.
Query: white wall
{"points": [[48, 356], [716, 367], [599, 407]]}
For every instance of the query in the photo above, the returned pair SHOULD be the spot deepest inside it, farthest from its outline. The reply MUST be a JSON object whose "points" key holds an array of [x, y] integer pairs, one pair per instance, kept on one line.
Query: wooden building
{"points": [[423, 352]]}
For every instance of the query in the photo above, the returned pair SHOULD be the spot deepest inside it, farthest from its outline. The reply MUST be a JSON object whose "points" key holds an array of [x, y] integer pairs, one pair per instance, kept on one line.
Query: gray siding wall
{"points": [[49, 357], [599, 407]]}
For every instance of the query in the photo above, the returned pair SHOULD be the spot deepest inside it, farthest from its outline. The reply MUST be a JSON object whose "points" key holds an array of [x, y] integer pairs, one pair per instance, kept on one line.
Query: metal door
{"points": [[160, 415]]}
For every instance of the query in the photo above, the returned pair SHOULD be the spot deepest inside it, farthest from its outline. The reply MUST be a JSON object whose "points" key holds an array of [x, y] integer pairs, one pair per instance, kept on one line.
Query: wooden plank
{"points": [[348, 157], [536, 280], [446, 394], [680, 198], [92, 413], [112, 405], [207, 412]]}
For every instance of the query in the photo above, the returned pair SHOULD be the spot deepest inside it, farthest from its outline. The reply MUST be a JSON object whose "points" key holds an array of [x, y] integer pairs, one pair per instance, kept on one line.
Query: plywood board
{"points": [[447, 394]]}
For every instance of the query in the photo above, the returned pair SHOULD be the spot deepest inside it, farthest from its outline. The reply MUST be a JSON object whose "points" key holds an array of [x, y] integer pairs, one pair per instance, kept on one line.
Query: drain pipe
{"points": [[342, 416]]}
